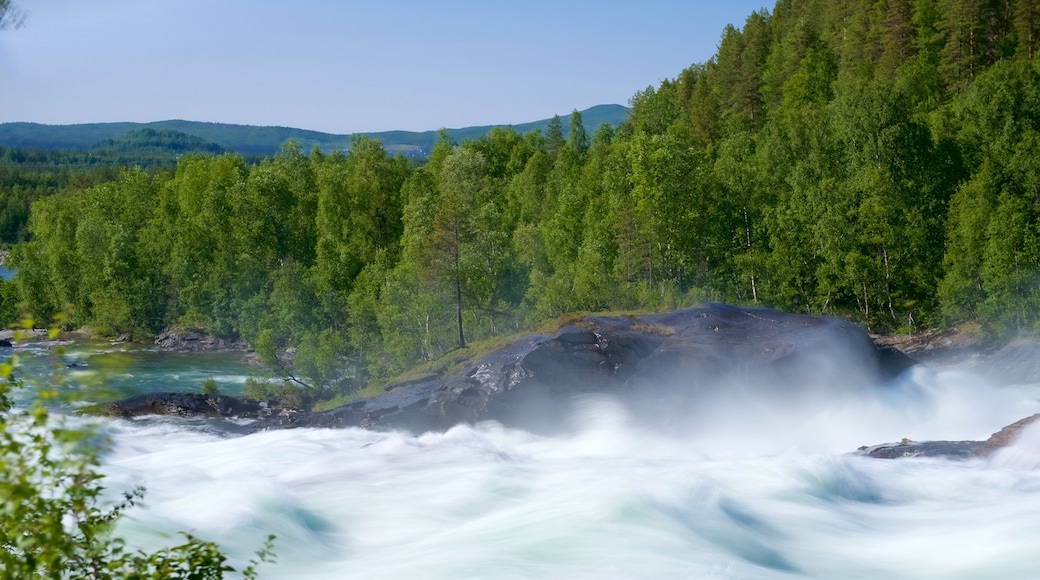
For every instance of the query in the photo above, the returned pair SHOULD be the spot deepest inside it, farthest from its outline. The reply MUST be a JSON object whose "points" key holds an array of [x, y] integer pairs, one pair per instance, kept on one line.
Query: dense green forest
{"points": [[869, 158], [157, 141]]}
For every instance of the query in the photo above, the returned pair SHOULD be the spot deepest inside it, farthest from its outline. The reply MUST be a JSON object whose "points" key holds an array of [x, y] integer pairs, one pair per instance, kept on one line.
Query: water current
{"points": [[752, 492]]}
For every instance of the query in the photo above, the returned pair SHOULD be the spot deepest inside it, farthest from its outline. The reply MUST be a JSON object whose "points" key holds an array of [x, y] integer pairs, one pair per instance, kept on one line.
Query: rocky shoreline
{"points": [[528, 383], [659, 365]]}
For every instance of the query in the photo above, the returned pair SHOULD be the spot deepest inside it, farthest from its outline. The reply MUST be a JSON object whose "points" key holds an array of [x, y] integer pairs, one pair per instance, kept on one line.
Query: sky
{"points": [[346, 66]]}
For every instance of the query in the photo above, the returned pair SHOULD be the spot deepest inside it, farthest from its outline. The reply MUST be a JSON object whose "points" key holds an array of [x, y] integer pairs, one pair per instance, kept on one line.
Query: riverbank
{"points": [[35, 334]]}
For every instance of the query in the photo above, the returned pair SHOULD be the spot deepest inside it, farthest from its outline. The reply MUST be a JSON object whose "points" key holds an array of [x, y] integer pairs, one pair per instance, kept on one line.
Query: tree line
{"points": [[874, 159]]}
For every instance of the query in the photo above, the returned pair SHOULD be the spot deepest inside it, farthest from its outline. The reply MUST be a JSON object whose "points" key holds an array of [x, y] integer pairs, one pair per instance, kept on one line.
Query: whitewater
{"points": [[750, 490]]}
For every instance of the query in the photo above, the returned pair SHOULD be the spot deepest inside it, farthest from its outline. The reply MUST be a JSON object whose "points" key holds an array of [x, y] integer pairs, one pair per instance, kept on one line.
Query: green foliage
{"points": [[54, 519], [318, 358], [281, 393], [209, 387], [875, 160], [161, 141]]}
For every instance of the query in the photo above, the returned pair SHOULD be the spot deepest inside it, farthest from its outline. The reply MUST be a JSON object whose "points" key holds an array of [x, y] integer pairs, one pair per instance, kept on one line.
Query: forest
{"points": [[873, 159]]}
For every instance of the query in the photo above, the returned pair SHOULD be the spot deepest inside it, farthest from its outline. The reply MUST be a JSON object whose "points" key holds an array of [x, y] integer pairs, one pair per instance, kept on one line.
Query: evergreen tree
{"points": [[554, 141], [451, 242]]}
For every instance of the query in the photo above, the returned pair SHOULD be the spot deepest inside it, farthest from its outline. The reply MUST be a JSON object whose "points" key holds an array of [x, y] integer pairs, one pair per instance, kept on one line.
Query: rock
{"points": [[5, 343], [661, 365], [21, 335], [906, 448], [1006, 436], [195, 341], [950, 449], [948, 348], [183, 405]]}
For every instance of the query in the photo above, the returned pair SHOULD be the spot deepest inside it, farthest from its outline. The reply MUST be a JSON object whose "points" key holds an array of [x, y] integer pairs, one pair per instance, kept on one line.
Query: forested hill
{"points": [[247, 139], [871, 159], [157, 142]]}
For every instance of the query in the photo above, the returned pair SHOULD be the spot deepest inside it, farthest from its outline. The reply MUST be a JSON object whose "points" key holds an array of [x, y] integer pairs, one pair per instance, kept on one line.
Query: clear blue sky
{"points": [[347, 66]]}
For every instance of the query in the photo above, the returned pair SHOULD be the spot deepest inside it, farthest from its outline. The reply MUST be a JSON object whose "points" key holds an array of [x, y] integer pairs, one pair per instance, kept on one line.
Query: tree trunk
{"points": [[458, 292]]}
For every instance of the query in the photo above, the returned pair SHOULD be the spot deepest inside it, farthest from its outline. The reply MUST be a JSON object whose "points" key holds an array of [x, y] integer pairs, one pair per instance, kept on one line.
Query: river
{"points": [[750, 492]]}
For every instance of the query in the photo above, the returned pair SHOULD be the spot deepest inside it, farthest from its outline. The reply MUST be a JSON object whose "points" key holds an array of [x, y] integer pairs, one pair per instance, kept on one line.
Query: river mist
{"points": [[754, 487]]}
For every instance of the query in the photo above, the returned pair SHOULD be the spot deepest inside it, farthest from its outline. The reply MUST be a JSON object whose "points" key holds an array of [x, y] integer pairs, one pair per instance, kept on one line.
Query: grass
{"points": [[658, 329]]}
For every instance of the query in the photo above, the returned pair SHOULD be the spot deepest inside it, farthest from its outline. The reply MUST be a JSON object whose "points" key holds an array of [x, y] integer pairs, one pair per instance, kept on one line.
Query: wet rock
{"points": [[1007, 435], [183, 405], [907, 448], [660, 365], [949, 449]]}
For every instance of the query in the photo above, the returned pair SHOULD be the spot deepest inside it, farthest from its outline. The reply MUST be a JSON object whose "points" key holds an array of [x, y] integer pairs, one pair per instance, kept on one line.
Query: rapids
{"points": [[751, 491]]}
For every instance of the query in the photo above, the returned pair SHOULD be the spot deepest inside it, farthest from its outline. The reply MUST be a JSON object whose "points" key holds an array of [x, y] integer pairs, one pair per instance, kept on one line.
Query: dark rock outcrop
{"points": [[184, 405], [908, 448], [950, 449], [660, 365]]}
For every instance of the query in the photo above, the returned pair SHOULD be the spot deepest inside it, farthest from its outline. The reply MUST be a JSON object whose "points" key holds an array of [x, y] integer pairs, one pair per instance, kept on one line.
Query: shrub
{"points": [[209, 387], [53, 523]]}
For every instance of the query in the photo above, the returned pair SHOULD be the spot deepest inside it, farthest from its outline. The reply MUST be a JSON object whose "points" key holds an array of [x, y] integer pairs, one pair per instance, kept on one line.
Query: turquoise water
{"points": [[103, 369], [751, 492]]}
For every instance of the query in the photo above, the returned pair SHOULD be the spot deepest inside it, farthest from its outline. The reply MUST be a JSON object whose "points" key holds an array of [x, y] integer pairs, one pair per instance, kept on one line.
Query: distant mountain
{"points": [[249, 139]]}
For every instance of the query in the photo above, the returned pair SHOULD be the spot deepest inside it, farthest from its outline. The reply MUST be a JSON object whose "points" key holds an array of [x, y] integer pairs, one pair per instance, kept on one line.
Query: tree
{"points": [[53, 520], [554, 140], [10, 15], [975, 31], [451, 240], [358, 216], [991, 249], [1026, 18], [411, 314], [578, 139]]}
